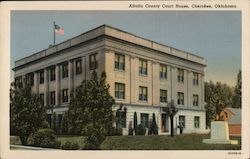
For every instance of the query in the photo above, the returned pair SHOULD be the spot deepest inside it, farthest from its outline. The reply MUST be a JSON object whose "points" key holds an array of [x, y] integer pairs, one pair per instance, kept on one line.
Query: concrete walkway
{"points": [[21, 147]]}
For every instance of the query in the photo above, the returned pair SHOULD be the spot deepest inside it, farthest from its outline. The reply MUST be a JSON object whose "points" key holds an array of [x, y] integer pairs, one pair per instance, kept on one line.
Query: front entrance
{"points": [[164, 123]]}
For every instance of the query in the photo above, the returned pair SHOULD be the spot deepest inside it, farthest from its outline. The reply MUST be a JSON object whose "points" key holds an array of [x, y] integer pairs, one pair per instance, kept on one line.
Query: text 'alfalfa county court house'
{"points": [[142, 74]]}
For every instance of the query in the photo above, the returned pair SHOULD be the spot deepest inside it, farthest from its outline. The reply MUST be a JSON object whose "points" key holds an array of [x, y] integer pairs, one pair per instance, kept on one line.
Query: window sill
{"points": [[119, 99], [143, 75], [119, 70], [163, 79]]}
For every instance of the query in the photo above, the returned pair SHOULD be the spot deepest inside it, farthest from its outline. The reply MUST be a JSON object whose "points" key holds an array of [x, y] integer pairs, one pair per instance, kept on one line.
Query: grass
{"points": [[156, 142], [163, 142]]}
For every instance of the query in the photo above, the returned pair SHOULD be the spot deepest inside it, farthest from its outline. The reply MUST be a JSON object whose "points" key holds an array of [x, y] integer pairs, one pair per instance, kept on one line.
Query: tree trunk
{"points": [[172, 125]]}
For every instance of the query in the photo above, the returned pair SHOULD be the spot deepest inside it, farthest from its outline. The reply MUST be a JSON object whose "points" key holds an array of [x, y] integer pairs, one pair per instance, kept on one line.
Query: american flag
{"points": [[59, 30]]}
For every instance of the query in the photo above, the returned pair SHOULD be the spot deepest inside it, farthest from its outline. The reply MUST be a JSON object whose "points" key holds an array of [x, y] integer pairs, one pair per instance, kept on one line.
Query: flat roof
{"points": [[114, 33]]}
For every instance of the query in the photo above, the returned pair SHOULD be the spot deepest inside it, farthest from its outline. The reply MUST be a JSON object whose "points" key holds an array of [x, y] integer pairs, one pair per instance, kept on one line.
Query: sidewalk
{"points": [[21, 147]]}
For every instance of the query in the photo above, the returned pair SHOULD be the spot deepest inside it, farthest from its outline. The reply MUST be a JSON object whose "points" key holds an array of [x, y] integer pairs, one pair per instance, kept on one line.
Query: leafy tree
{"points": [[90, 111], [237, 92], [171, 110], [135, 122], [27, 114], [217, 97]]}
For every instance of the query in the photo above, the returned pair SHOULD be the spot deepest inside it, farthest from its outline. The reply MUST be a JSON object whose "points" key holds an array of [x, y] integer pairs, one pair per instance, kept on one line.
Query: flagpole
{"points": [[54, 33]]}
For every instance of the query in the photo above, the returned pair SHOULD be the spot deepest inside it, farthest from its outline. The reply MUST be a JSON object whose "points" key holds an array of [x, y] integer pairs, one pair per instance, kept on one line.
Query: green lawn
{"points": [[163, 142], [157, 142]]}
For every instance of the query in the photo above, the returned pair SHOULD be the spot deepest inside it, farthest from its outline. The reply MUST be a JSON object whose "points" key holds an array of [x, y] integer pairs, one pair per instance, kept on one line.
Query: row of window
{"points": [[93, 64], [52, 97], [145, 120], [143, 95], [143, 69], [64, 68], [182, 121]]}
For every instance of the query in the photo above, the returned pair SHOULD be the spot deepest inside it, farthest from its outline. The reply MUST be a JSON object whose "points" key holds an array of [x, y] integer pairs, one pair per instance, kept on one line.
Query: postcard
{"points": [[127, 79]]}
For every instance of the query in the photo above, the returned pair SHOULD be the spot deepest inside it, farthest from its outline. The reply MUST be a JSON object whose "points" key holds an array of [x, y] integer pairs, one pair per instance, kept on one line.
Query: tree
{"points": [[153, 129], [218, 96], [90, 111], [27, 114], [171, 110], [237, 92], [135, 122]]}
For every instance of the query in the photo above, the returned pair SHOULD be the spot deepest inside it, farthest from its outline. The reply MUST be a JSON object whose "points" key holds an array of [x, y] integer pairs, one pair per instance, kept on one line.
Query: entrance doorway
{"points": [[164, 123]]}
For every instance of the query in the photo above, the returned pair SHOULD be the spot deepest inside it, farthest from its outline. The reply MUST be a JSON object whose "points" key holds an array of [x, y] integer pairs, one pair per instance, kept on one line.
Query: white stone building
{"points": [[143, 75]]}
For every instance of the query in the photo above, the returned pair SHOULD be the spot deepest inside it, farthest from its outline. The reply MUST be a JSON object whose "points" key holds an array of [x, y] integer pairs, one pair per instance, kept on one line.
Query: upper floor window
{"points": [[163, 71], [144, 119], [65, 70], [41, 76], [143, 68], [119, 62], [180, 100], [182, 121], [65, 95], [196, 122], [143, 93], [52, 98], [119, 91], [163, 96], [78, 66], [195, 79], [180, 75], [52, 74], [42, 99], [93, 62], [30, 79], [195, 100], [18, 81]]}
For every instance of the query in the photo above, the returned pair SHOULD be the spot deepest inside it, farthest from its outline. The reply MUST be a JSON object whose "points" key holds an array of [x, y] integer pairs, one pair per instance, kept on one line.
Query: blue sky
{"points": [[214, 35]]}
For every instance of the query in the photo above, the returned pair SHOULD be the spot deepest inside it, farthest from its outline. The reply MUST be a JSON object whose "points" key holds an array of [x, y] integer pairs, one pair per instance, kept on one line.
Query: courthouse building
{"points": [[143, 75]]}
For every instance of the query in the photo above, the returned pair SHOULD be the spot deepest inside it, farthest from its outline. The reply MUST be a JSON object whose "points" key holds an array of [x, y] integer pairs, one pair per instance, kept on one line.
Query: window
{"points": [[119, 62], [92, 62], [52, 98], [65, 71], [143, 93], [18, 81], [196, 122], [60, 117], [195, 100], [65, 95], [180, 75], [195, 79], [52, 74], [42, 98], [78, 67], [180, 100], [41, 75], [30, 79], [163, 96], [143, 68], [122, 120], [119, 91], [182, 121], [163, 71], [144, 119]]}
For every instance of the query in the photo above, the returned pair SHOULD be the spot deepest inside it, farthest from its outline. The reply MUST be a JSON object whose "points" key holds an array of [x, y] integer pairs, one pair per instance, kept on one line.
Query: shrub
{"points": [[70, 145], [93, 141], [141, 130], [115, 131], [45, 138]]}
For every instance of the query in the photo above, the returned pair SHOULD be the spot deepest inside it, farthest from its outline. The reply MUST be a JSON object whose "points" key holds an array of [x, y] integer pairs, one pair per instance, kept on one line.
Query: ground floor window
{"points": [[182, 121], [144, 119], [121, 121], [196, 122]]}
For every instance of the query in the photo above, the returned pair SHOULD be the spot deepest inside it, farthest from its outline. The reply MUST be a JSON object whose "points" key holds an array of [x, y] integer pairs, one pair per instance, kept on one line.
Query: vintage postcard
{"points": [[127, 79]]}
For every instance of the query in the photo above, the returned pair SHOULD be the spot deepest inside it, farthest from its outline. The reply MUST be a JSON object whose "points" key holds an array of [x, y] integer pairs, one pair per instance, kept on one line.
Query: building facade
{"points": [[142, 74]]}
